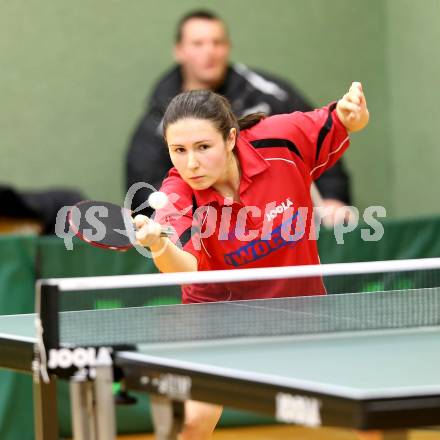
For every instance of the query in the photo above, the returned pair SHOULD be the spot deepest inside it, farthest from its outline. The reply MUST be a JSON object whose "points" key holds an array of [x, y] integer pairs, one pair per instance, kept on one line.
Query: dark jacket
{"points": [[42, 205], [248, 91]]}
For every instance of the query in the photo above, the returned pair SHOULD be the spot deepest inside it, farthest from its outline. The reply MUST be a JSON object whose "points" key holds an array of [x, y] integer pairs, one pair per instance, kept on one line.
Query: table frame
{"points": [[144, 373]]}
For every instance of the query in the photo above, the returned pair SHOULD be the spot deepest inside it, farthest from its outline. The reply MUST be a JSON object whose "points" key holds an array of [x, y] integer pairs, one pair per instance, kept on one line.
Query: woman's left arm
{"points": [[352, 109]]}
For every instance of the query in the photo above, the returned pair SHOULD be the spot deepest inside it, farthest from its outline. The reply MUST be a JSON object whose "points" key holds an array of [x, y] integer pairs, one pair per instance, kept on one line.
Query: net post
{"points": [[44, 387], [49, 303]]}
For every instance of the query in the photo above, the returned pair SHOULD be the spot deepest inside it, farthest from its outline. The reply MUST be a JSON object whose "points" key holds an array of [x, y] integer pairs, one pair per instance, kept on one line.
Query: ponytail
{"points": [[249, 121]]}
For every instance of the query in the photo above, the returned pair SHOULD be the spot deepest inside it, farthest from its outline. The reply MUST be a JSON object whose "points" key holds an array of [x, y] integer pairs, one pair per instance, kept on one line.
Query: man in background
{"points": [[202, 49]]}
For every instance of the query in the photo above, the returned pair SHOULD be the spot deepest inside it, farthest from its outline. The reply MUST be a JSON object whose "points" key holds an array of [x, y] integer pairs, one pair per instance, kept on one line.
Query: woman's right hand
{"points": [[147, 231]]}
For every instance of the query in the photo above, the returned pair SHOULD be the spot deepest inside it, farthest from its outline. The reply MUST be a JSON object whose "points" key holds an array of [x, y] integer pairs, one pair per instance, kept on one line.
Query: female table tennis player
{"points": [[243, 197]]}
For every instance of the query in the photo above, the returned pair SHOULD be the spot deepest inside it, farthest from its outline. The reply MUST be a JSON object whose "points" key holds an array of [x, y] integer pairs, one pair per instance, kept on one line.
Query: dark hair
{"points": [[204, 104], [203, 14]]}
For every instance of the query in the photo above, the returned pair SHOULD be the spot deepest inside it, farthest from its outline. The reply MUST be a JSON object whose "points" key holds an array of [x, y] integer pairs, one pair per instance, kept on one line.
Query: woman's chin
{"points": [[198, 184]]}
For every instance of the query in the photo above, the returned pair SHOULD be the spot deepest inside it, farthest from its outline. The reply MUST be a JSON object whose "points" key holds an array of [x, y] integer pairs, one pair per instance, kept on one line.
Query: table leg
{"points": [[45, 410], [383, 435], [104, 403], [167, 417], [93, 407], [82, 410]]}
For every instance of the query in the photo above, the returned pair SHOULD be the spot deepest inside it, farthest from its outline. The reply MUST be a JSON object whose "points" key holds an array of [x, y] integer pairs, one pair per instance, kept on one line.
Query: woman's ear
{"points": [[232, 138]]}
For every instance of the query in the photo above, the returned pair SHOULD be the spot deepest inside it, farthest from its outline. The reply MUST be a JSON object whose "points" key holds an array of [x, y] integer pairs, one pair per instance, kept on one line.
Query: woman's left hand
{"points": [[352, 108]]}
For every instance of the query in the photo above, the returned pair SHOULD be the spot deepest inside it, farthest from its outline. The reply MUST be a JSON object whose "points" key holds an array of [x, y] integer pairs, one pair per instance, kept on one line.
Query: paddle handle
{"points": [[166, 231]]}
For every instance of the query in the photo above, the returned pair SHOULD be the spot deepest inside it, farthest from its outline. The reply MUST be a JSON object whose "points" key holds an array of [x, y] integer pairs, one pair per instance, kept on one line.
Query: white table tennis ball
{"points": [[157, 200]]}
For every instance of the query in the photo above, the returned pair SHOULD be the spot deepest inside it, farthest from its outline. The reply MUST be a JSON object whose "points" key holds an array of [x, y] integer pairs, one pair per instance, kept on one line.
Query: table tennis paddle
{"points": [[106, 225]]}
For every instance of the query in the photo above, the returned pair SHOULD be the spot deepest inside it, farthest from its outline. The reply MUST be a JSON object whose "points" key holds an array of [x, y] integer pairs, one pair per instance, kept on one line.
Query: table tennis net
{"points": [[354, 302]]}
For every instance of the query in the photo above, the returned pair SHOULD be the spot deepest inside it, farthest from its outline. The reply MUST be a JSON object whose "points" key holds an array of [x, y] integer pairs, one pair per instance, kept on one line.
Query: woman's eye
{"points": [[204, 146], [179, 150]]}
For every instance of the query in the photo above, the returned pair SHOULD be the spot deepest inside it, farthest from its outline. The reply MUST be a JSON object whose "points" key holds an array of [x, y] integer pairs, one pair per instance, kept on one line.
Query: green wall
{"points": [[413, 59], [74, 77]]}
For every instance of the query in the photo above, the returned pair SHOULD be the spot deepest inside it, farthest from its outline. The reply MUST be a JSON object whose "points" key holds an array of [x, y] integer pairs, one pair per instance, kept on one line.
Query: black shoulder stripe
{"points": [[324, 131], [270, 143]]}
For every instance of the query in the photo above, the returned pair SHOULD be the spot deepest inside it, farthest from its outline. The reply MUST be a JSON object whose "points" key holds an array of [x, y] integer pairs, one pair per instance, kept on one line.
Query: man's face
{"points": [[203, 51]]}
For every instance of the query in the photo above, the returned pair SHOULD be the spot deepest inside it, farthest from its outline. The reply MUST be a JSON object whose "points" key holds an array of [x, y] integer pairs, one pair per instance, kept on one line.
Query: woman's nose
{"points": [[192, 161]]}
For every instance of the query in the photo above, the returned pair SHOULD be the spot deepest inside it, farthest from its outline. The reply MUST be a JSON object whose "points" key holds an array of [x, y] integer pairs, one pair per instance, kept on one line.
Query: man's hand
{"points": [[337, 213], [352, 109]]}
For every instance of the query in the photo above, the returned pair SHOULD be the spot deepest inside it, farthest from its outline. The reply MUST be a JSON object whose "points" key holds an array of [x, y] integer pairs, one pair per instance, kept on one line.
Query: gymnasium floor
{"points": [[284, 432]]}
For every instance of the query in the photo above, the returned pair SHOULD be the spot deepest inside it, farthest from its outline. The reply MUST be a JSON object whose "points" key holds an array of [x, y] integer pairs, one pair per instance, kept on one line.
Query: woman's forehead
{"points": [[191, 131]]}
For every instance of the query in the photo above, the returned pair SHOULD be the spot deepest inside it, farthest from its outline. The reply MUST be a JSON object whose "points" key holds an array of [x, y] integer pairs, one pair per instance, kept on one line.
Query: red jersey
{"points": [[272, 224]]}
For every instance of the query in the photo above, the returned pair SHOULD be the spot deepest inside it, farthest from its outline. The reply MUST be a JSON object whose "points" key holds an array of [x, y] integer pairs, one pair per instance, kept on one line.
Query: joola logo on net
{"points": [[79, 357], [284, 206]]}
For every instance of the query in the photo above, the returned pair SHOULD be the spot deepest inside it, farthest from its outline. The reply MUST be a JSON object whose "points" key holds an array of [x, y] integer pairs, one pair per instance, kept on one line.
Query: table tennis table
{"points": [[364, 379], [364, 361]]}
